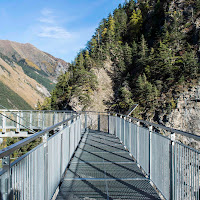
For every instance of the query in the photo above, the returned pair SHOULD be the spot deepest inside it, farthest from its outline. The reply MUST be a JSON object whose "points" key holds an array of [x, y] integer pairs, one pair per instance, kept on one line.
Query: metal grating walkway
{"points": [[103, 169]]}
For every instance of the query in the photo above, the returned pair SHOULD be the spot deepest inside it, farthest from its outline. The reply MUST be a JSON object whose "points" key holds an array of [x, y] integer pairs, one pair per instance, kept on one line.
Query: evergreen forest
{"points": [[153, 46]]}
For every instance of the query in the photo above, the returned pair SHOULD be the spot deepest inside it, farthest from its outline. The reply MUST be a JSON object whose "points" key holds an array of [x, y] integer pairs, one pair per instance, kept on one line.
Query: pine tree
{"points": [[127, 55], [176, 35], [135, 23], [120, 18], [143, 55], [190, 63]]}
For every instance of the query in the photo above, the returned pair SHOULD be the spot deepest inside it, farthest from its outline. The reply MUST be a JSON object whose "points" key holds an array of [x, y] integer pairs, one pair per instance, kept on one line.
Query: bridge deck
{"points": [[103, 169]]}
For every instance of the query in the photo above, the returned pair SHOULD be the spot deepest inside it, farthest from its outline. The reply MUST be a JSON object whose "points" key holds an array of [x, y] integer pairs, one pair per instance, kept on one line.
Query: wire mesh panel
{"points": [[1, 121], [27, 176], [35, 119], [133, 140], [103, 123], [122, 122], [161, 163], [143, 149], [72, 139], [127, 135], [48, 119], [112, 124], [37, 174], [65, 148], [10, 121], [118, 127], [186, 172], [54, 160], [25, 119], [92, 121], [3, 185], [83, 121]]}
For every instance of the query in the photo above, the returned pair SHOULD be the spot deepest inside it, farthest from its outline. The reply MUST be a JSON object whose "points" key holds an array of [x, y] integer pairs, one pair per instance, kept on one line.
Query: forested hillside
{"points": [[153, 50]]}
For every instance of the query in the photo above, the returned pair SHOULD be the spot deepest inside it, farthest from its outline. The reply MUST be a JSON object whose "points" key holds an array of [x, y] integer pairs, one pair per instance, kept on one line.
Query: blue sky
{"points": [[59, 27]]}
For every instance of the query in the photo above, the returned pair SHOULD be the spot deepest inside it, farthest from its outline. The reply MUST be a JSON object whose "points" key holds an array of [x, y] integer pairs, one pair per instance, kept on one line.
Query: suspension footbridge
{"points": [[91, 155]]}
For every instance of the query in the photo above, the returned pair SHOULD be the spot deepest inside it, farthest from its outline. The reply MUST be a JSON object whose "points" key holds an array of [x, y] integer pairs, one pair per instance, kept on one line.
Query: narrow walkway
{"points": [[103, 169]]}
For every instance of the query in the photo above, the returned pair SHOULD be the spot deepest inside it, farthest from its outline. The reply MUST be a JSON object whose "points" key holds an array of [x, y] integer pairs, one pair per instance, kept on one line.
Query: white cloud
{"points": [[47, 16], [55, 32], [47, 11], [50, 26], [49, 20]]}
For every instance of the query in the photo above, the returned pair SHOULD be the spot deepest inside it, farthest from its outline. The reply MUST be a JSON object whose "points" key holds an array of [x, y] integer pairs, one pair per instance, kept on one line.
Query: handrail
{"points": [[33, 137], [67, 111], [8, 150], [190, 135]]}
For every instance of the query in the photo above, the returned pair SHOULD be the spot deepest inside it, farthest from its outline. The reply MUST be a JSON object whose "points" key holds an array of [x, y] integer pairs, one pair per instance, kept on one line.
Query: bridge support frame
{"points": [[137, 143], [130, 136], [45, 143], [6, 187], [4, 123], [150, 150], [172, 166]]}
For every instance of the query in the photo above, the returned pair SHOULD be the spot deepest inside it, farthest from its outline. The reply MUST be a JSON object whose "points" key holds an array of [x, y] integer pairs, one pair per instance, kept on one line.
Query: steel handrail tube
{"points": [[10, 149], [190, 135]]}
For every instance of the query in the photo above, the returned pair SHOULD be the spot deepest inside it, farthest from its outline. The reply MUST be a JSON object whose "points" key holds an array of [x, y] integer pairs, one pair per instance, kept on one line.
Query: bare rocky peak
{"points": [[18, 51]]}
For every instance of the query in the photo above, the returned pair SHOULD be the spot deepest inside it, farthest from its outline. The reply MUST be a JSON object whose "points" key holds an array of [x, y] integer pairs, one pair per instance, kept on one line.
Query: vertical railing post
{"points": [[138, 142], [4, 123], [124, 131], [61, 151], [172, 167], [74, 121], [31, 120], [116, 125], [54, 116], [108, 123], [39, 120], [80, 127], [68, 124], [85, 121], [43, 119], [6, 185], [45, 144], [150, 150], [18, 122], [22, 119], [130, 136], [120, 128], [99, 122]]}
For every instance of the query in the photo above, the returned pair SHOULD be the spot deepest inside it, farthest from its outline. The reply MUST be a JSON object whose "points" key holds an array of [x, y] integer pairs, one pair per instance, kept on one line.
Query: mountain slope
{"points": [[152, 47], [29, 72]]}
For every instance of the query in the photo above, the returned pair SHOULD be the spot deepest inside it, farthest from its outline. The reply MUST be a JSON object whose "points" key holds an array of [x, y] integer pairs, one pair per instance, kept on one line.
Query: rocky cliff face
{"points": [[186, 116], [103, 95]]}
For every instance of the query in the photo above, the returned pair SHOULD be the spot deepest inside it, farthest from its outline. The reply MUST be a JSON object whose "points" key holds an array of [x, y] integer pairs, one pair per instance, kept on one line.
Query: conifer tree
{"points": [[135, 23], [127, 55], [143, 55]]}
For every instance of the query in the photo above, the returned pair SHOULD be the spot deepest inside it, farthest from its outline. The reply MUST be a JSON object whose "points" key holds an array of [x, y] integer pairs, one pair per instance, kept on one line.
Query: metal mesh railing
{"points": [[19, 121], [37, 174], [186, 172], [171, 166], [160, 160]]}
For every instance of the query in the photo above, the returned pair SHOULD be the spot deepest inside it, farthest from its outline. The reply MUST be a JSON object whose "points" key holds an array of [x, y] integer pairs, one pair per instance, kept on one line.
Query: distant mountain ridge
{"points": [[29, 72]]}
